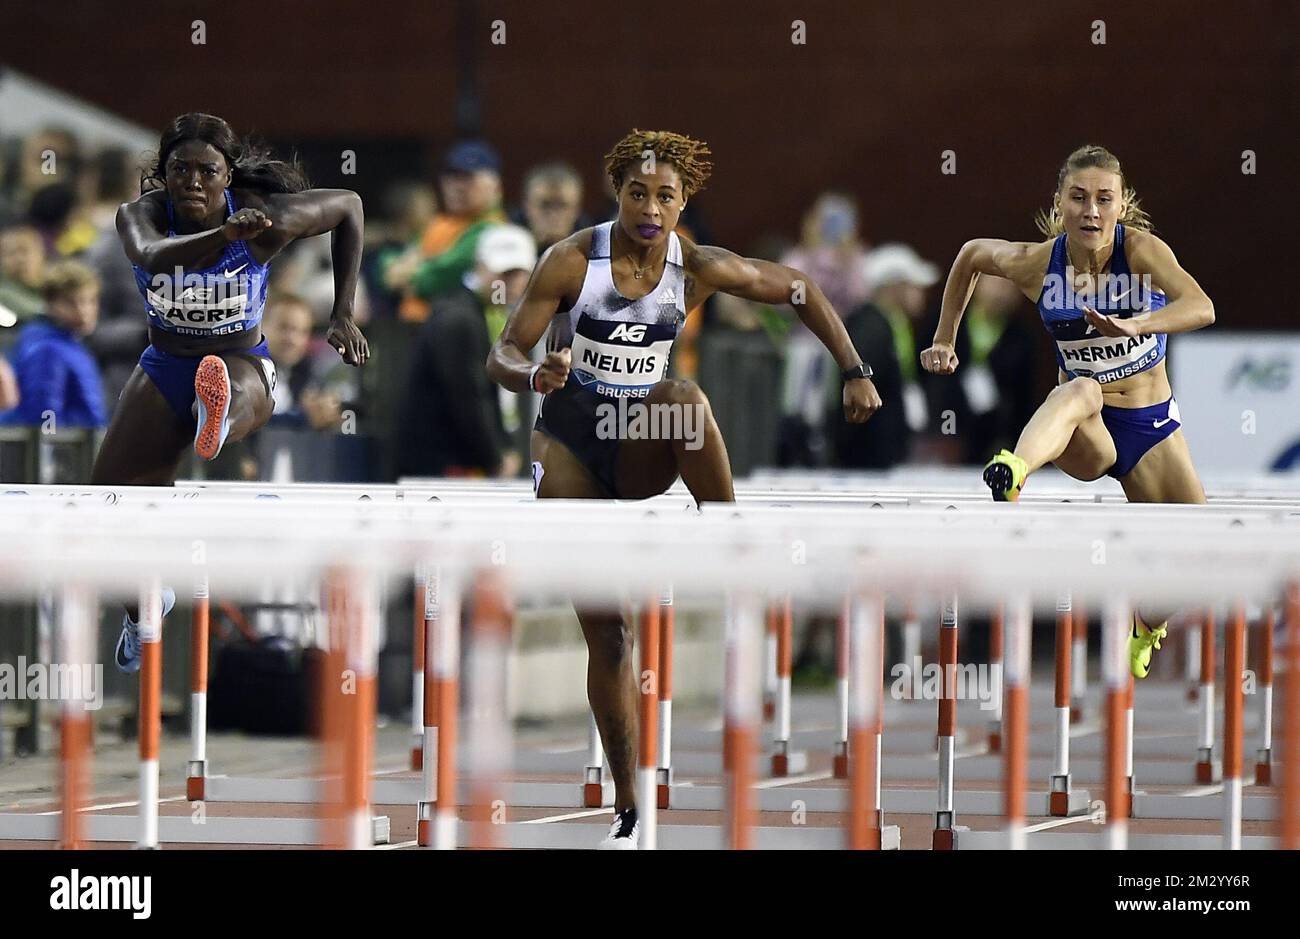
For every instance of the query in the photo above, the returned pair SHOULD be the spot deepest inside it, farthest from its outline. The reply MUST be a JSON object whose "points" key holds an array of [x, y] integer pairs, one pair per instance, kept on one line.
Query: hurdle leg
{"points": [[1115, 674], [771, 655], [362, 624], [741, 714], [1019, 623], [1059, 784], [1205, 695], [444, 662], [1192, 662], [76, 645], [945, 837], [419, 625], [891, 838], [1130, 784], [840, 758], [664, 776], [911, 631], [784, 760], [429, 611], [1264, 755], [1079, 664], [866, 635], [996, 668], [648, 763], [488, 733], [150, 709], [593, 774], [1234, 667], [1290, 796], [196, 772]]}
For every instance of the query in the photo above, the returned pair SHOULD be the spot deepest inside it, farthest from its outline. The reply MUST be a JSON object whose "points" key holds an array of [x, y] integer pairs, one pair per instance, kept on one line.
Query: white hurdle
{"points": [[904, 552]]}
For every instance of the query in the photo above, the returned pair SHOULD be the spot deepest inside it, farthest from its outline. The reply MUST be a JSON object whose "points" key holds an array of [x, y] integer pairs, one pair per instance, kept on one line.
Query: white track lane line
{"points": [[608, 810], [1057, 823], [113, 805], [790, 780], [1202, 791], [394, 847]]}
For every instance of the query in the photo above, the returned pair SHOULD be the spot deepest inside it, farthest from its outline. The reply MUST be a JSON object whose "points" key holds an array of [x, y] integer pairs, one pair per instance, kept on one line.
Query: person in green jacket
{"points": [[471, 198]]}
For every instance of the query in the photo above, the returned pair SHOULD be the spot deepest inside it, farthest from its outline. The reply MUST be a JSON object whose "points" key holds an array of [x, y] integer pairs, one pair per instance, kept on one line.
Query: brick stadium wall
{"points": [[1179, 90]]}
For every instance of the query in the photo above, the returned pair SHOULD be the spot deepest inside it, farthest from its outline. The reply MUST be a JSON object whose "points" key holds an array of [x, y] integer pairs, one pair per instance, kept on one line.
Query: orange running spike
{"points": [[212, 388]]}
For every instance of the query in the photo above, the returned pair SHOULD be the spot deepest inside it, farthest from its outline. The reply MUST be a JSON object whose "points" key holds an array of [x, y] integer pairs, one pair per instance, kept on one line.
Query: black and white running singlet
{"points": [[619, 349]]}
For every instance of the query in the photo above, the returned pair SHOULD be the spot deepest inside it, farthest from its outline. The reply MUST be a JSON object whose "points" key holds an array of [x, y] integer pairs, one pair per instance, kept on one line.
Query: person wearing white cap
{"points": [[883, 330], [453, 412]]}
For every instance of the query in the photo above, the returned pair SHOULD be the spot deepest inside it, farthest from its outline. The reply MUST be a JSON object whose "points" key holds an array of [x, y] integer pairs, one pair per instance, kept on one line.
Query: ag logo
{"points": [[1263, 375], [629, 333]]}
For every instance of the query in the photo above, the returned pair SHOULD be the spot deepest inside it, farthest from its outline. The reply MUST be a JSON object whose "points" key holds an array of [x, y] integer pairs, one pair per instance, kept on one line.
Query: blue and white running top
{"points": [[1081, 351], [226, 298]]}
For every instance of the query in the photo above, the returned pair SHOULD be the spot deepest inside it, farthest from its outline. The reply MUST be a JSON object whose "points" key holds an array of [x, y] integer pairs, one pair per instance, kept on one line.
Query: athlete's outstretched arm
{"points": [[508, 363], [142, 227], [980, 256], [315, 212], [1188, 308], [711, 269]]}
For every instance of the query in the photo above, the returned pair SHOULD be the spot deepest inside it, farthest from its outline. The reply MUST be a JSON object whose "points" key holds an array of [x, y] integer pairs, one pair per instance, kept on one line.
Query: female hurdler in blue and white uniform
{"points": [[215, 211], [1108, 291]]}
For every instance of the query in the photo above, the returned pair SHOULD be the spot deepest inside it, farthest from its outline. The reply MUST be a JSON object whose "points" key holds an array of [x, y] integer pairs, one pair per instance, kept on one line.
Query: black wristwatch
{"points": [[857, 371]]}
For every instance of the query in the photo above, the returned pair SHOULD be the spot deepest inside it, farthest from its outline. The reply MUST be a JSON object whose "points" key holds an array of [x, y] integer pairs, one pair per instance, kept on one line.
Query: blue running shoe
{"points": [[127, 654]]}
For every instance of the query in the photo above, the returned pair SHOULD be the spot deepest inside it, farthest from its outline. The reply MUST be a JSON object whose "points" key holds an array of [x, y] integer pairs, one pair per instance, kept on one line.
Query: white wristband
{"points": [[532, 378]]}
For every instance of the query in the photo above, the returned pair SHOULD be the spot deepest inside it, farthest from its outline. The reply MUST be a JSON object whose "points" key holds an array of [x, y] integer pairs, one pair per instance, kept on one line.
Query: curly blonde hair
{"points": [[1088, 156], [684, 153]]}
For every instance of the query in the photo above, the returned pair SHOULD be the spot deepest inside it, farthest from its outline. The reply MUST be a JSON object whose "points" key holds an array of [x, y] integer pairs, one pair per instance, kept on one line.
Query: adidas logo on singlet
{"points": [[669, 296]]}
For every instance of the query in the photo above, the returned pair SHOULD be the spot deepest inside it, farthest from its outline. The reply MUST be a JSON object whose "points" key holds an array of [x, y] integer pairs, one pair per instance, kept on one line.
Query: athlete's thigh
{"points": [[1090, 452], [564, 476], [1165, 474], [645, 467], [247, 381], [145, 439]]}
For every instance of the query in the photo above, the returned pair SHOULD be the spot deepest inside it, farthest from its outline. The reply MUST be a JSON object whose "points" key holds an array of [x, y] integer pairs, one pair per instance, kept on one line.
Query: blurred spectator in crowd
{"points": [[55, 211], [9, 396], [409, 207], [306, 390], [305, 270], [452, 419], [884, 331], [309, 394], [10, 148], [22, 267], [831, 253], [51, 174], [552, 204], [470, 184], [997, 354], [58, 379], [737, 313], [123, 330]]}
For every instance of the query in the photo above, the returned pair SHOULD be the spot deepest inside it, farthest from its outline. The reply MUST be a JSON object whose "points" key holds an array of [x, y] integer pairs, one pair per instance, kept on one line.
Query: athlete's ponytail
{"points": [[252, 164], [1049, 221]]}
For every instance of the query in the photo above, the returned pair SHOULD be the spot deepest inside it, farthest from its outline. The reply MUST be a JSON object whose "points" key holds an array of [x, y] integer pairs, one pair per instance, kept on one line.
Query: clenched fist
{"points": [[245, 224], [940, 358], [553, 373], [861, 400]]}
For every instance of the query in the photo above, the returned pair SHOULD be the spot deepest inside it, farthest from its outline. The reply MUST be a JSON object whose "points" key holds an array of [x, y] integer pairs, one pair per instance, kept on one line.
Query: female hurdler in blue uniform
{"points": [[1108, 292], [215, 211]]}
